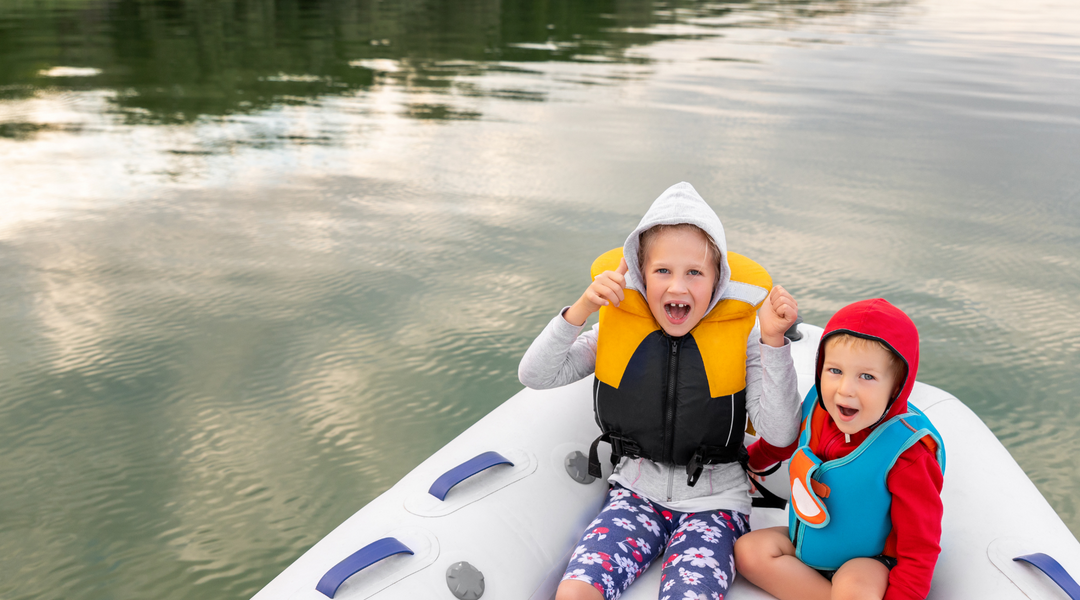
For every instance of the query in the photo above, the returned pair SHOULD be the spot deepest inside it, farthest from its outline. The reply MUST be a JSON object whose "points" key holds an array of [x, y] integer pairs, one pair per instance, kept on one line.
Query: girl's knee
{"points": [[577, 590]]}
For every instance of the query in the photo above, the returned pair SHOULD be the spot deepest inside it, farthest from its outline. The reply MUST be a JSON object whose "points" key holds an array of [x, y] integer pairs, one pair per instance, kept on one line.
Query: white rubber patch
{"points": [[1033, 582], [803, 501]]}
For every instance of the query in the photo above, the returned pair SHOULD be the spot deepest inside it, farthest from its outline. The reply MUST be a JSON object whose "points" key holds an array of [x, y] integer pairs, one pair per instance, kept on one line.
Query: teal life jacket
{"points": [[840, 508]]}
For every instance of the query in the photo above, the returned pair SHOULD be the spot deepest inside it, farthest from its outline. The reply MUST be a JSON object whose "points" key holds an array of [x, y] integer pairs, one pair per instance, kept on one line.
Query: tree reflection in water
{"points": [[174, 61]]}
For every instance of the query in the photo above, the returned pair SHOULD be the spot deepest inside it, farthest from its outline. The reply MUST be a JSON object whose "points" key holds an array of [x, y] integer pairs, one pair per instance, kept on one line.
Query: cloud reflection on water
{"points": [[243, 310]]}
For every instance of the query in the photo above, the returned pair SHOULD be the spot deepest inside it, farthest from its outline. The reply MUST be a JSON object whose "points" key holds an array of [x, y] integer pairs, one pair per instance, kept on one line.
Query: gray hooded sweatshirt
{"points": [[561, 354]]}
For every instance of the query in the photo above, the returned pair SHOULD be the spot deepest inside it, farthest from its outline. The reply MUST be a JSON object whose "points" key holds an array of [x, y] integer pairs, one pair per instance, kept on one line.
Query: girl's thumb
{"points": [[622, 267]]}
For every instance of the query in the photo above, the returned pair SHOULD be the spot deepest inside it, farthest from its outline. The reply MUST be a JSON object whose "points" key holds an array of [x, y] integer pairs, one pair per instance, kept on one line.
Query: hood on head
{"points": [[679, 203], [877, 320]]}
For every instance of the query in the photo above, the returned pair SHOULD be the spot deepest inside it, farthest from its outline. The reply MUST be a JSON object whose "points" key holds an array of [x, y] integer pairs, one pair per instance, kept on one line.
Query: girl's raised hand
{"points": [[606, 289], [776, 315]]}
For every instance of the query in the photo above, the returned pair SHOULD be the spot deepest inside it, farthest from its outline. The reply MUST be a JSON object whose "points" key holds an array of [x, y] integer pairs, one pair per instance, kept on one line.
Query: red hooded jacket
{"points": [[914, 481]]}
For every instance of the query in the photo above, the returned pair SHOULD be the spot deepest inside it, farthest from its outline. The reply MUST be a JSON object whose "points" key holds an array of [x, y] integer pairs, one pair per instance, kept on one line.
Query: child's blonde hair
{"points": [[897, 366], [647, 237]]}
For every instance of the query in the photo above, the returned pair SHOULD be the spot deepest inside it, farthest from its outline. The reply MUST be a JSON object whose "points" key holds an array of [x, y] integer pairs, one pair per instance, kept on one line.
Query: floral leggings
{"points": [[630, 532]]}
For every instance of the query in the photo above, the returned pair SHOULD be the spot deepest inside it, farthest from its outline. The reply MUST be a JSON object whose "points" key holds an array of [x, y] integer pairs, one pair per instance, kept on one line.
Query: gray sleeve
{"points": [[558, 356], [772, 390]]}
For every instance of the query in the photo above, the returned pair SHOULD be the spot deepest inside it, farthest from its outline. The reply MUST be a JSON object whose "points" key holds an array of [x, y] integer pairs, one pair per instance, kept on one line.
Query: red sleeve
{"points": [[764, 455], [915, 485]]}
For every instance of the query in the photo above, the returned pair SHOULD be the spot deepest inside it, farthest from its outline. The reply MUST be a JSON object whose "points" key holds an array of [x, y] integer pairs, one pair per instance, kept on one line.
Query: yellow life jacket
{"points": [[676, 400]]}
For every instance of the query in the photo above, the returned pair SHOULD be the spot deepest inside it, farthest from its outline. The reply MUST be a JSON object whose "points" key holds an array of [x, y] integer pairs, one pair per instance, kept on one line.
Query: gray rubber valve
{"points": [[465, 581], [577, 466]]}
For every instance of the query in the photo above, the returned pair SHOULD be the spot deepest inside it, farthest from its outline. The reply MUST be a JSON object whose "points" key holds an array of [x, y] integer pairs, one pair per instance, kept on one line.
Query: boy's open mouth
{"points": [[847, 412], [677, 311]]}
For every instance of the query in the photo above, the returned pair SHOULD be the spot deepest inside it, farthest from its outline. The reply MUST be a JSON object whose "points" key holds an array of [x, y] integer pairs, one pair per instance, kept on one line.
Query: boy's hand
{"points": [[606, 289], [776, 315]]}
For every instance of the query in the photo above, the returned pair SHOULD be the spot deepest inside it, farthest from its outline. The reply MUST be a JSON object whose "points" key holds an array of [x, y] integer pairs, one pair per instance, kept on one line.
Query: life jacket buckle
{"points": [[624, 446], [694, 468], [713, 455], [620, 446]]}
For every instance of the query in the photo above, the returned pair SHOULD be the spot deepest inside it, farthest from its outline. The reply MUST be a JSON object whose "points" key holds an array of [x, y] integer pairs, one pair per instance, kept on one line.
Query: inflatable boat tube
{"points": [[496, 512]]}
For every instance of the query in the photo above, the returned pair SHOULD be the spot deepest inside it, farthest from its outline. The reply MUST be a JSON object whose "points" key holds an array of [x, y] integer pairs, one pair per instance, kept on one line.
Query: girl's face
{"points": [[680, 275]]}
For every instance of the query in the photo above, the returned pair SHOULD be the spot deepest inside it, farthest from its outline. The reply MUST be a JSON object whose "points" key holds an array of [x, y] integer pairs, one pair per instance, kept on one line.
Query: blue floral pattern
{"points": [[631, 532]]}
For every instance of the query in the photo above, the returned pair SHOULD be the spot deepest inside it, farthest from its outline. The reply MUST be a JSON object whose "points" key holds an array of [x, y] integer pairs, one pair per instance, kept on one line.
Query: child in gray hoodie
{"points": [[680, 361]]}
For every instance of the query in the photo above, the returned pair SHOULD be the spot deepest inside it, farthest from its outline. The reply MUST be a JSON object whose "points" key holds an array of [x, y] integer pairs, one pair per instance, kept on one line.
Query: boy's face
{"points": [[856, 384], [680, 275]]}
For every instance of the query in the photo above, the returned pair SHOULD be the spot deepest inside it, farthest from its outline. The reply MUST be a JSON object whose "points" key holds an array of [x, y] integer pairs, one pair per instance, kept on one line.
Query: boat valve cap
{"points": [[577, 466], [465, 581], [793, 332]]}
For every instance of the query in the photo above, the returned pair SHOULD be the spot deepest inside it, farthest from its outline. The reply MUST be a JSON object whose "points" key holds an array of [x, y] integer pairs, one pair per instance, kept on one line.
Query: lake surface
{"points": [[259, 259]]}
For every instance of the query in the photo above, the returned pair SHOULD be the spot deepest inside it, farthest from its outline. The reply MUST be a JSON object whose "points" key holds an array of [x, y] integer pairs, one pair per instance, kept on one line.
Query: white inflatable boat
{"points": [[512, 491]]}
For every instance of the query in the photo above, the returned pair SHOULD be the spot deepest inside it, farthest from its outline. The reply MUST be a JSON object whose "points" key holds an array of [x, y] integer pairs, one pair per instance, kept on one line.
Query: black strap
{"points": [[620, 446], [706, 455], [713, 455], [767, 499], [766, 472], [594, 457]]}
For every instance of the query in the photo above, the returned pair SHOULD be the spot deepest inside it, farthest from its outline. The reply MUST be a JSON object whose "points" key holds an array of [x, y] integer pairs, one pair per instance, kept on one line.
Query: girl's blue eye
{"points": [[834, 370], [867, 376], [695, 272], [664, 271]]}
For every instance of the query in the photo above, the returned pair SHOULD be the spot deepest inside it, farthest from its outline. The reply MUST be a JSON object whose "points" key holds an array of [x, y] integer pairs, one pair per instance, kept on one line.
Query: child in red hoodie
{"points": [[866, 473]]}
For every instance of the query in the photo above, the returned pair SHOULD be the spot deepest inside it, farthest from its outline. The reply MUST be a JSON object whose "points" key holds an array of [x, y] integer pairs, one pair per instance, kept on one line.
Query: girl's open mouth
{"points": [[677, 312]]}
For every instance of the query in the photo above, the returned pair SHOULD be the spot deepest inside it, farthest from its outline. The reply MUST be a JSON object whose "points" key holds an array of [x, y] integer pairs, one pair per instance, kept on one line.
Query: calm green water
{"points": [[258, 259]]}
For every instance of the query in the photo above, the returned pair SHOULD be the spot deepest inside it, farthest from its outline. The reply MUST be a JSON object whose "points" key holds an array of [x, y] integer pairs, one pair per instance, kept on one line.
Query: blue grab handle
{"points": [[464, 471], [1054, 571], [361, 559]]}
